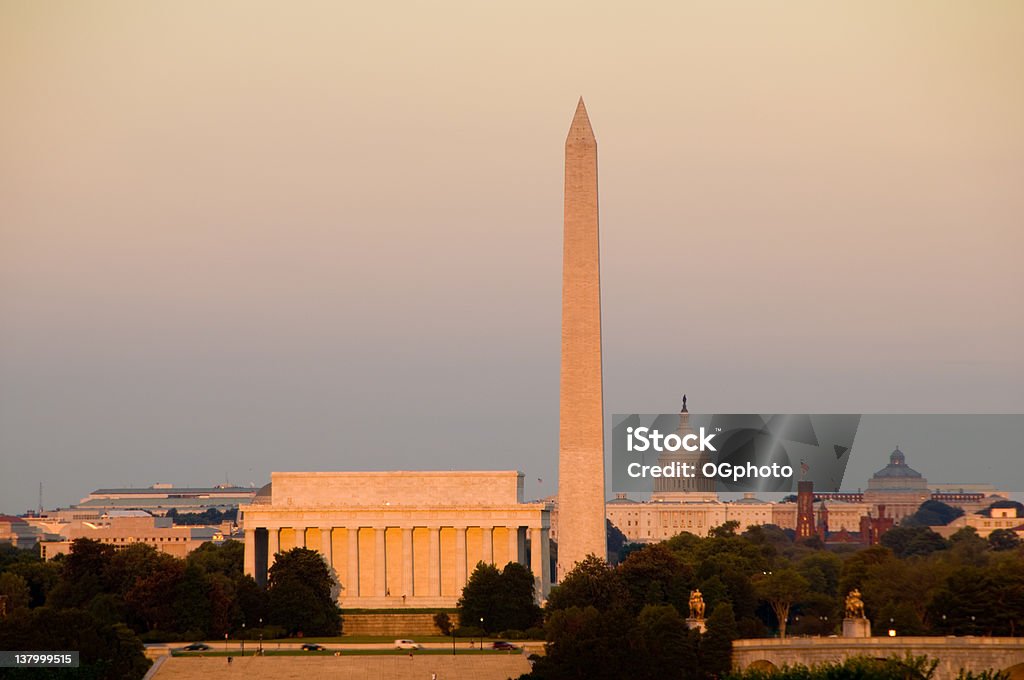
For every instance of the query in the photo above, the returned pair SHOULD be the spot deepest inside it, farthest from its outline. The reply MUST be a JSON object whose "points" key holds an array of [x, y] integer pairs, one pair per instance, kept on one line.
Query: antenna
{"points": [[40, 499]]}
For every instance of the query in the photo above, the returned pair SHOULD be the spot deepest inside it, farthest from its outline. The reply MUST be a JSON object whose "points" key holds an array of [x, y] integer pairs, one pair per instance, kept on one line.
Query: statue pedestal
{"points": [[856, 628], [696, 623]]}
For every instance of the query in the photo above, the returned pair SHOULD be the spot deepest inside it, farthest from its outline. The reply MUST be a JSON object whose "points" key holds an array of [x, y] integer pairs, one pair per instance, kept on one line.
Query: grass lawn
{"points": [[353, 652], [365, 639]]}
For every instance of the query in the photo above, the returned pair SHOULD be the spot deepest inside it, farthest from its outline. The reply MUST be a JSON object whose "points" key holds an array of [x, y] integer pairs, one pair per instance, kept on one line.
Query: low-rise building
{"points": [[17, 532], [1002, 514], [127, 527]]}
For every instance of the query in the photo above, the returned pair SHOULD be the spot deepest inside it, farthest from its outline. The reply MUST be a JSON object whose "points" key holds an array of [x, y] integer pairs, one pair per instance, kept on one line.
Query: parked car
{"points": [[407, 644], [504, 646], [196, 647], [309, 647]]}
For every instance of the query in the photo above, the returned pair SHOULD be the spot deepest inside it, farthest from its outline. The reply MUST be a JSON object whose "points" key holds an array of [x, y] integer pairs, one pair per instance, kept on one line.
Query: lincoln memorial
{"points": [[396, 539]]}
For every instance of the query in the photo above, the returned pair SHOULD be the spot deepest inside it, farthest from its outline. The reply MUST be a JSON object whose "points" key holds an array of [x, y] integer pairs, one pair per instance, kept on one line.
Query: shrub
{"points": [[534, 633], [443, 622]]}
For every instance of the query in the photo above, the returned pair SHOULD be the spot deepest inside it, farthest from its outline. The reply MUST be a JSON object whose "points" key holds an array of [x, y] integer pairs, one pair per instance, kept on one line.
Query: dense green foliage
{"points": [[933, 514], [207, 517], [497, 601], [608, 621], [862, 668], [104, 601], [301, 600]]}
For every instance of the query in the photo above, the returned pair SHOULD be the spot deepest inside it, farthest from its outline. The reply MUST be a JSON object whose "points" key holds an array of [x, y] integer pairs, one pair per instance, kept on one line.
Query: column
{"points": [[380, 573], [273, 545], [460, 559], [434, 585], [537, 562], [250, 552], [326, 549], [352, 585], [522, 544], [300, 537], [487, 544], [545, 556], [407, 558], [513, 545]]}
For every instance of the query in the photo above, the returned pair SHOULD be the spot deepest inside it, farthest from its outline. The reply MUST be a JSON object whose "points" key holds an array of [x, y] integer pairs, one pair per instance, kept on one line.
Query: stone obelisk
{"points": [[581, 514]]}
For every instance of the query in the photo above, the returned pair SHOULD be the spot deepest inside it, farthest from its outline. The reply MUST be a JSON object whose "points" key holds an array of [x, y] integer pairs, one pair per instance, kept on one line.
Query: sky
{"points": [[239, 237]]}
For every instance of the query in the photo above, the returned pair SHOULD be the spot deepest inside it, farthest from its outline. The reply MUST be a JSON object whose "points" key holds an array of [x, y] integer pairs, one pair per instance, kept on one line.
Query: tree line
{"points": [[106, 602], [627, 620]]}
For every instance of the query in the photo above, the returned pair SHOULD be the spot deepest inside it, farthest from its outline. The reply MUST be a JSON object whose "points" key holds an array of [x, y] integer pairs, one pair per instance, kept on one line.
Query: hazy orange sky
{"points": [[237, 237]]}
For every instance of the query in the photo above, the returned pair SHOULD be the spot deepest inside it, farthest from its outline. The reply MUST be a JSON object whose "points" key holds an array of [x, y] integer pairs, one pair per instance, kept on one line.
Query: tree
{"points": [[226, 558], [443, 623], [932, 513], [504, 600], [656, 575], [41, 577], [151, 599], [299, 588], [1004, 539], [906, 541], [821, 569], [586, 644], [84, 574], [968, 547], [716, 644], [192, 602], [616, 539], [663, 644], [14, 591], [479, 597], [107, 652], [591, 583], [780, 589]]}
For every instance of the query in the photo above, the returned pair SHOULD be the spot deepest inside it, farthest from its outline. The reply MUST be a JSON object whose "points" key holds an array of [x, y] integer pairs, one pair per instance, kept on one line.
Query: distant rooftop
{"points": [[171, 490]]}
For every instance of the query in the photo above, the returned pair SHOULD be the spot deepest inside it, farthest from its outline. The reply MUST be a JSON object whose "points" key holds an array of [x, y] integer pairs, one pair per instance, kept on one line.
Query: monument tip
{"points": [[581, 122]]}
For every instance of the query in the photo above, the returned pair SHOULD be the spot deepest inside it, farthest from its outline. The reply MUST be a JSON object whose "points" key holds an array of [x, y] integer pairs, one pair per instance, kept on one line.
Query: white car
{"points": [[407, 644]]}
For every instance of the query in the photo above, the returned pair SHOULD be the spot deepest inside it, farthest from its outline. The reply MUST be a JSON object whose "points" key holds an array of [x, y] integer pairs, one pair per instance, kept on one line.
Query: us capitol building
{"points": [[692, 505]]}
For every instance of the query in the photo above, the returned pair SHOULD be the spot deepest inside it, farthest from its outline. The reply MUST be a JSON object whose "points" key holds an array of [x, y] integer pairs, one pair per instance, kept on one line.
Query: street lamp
{"points": [[243, 638], [261, 636], [481, 633]]}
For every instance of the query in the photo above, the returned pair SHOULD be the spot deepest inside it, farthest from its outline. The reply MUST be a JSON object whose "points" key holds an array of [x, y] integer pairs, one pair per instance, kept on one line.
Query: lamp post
{"points": [[243, 638], [261, 636], [481, 633]]}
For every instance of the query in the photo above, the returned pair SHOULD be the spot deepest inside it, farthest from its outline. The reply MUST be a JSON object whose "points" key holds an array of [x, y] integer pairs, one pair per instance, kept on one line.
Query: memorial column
{"points": [[407, 564], [434, 572], [352, 586], [460, 559], [380, 582]]}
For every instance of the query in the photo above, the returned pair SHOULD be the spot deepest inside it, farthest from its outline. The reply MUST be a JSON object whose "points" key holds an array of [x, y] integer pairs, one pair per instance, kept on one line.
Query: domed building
{"points": [[898, 487], [696, 489]]}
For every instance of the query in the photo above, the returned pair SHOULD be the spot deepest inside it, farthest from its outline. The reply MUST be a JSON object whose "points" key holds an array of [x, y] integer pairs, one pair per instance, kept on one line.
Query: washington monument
{"points": [[581, 513]]}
